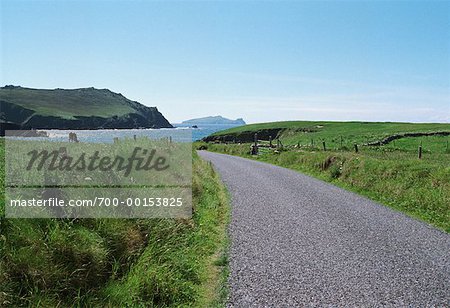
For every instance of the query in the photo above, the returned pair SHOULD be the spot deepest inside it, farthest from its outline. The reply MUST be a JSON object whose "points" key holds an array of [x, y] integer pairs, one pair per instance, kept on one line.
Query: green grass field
{"points": [[331, 132], [69, 103], [119, 262], [391, 174]]}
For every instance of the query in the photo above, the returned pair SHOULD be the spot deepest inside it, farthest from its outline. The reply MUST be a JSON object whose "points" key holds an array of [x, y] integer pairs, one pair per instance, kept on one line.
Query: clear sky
{"points": [[263, 61]]}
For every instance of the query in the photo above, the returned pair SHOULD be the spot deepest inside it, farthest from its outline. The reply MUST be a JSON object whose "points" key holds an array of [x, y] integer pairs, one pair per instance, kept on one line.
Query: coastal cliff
{"points": [[85, 108]]}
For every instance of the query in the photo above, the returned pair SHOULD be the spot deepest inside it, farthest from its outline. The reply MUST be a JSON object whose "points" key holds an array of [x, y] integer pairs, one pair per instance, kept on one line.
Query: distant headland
{"points": [[85, 108], [214, 120]]}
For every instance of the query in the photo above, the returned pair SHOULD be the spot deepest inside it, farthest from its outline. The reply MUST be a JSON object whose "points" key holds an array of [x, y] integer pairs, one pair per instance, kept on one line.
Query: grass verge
{"points": [[119, 262]]}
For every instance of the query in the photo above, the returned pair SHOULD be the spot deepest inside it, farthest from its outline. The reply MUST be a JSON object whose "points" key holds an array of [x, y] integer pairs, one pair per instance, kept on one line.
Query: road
{"points": [[297, 241]]}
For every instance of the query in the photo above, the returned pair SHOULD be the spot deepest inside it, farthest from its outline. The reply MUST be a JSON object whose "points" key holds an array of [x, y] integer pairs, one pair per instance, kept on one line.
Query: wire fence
{"points": [[419, 146]]}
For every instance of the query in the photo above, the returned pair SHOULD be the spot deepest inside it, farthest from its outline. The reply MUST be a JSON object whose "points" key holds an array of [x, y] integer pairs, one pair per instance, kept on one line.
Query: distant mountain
{"points": [[214, 120], [85, 108]]}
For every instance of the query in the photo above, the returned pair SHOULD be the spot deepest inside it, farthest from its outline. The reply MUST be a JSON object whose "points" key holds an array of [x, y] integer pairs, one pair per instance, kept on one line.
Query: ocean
{"points": [[181, 133]]}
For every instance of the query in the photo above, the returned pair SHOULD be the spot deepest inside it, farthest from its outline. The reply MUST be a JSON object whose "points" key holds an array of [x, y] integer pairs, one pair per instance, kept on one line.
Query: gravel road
{"points": [[297, 241]]}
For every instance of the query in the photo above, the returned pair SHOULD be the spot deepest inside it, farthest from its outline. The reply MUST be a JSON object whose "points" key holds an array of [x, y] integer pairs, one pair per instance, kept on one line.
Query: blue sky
{"points": [[260, 60]]}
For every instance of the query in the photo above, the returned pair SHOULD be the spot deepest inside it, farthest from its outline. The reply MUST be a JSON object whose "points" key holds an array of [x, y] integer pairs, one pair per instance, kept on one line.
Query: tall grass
{"points": [[118, 262]]}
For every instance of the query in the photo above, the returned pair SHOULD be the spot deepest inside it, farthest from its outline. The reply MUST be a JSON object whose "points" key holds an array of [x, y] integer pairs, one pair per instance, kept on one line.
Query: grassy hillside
{"points": [[86, 108], [293, 132], [118, 262], [391, 174], [69, 103]]}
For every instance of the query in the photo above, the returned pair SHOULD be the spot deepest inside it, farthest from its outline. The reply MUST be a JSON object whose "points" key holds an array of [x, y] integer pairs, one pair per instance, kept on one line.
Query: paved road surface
{"points": [[297, 241]]}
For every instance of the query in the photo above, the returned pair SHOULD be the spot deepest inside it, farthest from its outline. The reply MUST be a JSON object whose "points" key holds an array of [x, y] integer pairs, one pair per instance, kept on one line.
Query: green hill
{"points": [[85, 108], [334, 133]]}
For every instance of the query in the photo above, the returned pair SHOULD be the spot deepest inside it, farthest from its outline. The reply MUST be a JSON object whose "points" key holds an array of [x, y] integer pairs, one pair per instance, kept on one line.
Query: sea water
{"points": [[108, 135]]}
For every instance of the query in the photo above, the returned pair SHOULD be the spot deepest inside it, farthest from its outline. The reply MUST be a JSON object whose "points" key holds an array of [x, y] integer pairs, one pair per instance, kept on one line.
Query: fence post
{"points": [[356, 148], [420, 152], [270, 141], [312, 142], [255, 145], [278, 143], [324, 147]]}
